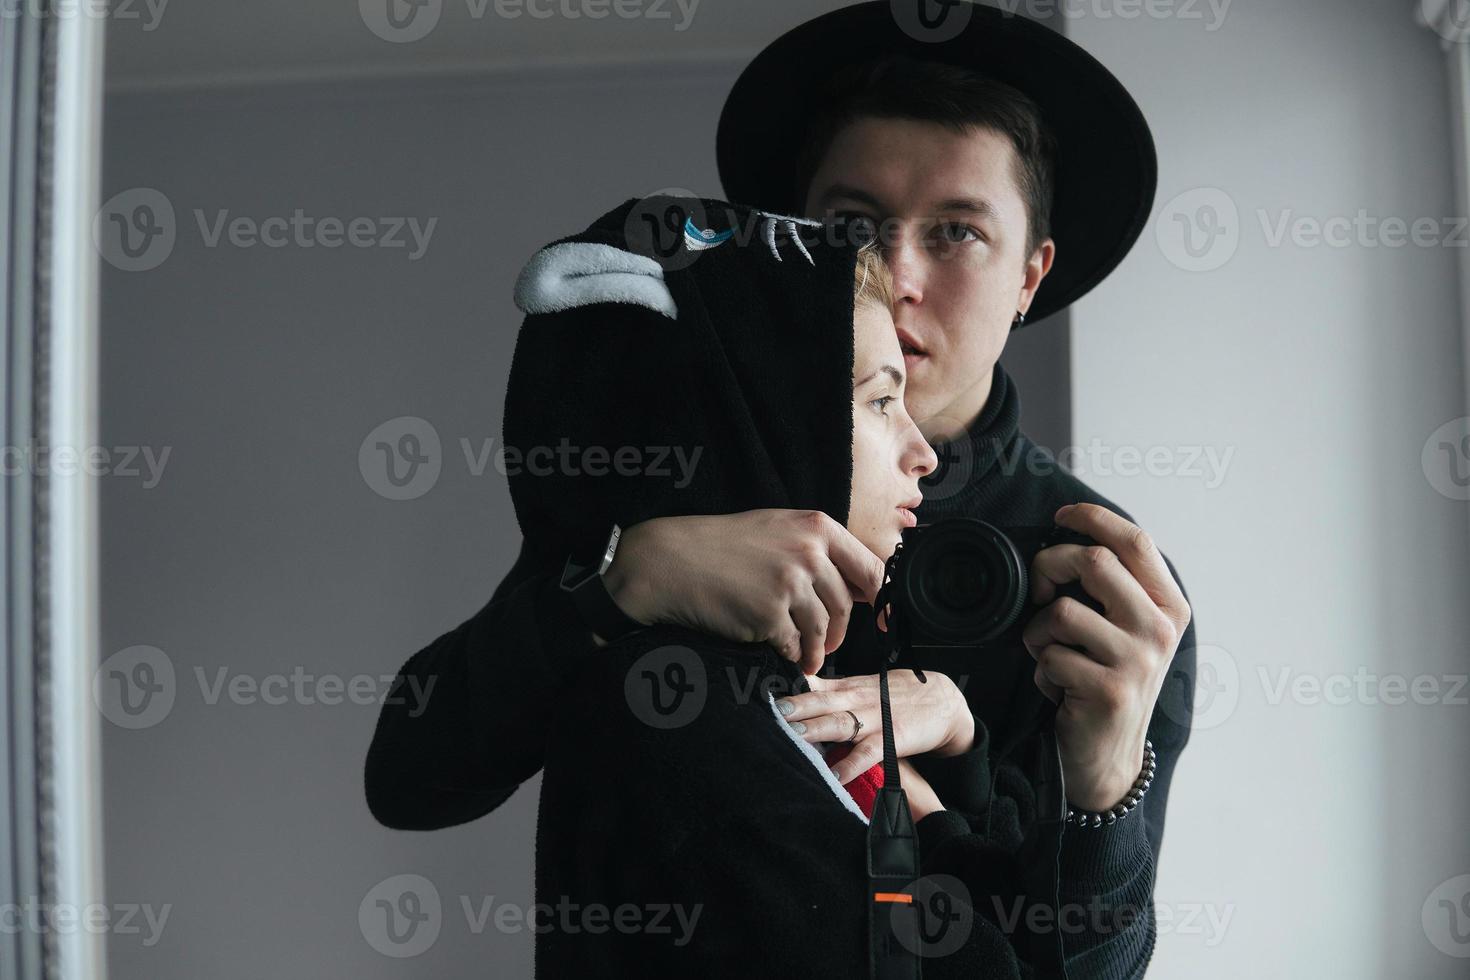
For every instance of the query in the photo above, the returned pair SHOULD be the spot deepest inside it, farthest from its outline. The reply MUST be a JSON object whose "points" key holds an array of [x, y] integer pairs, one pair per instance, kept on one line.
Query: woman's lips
{"points": [[907, 517]]}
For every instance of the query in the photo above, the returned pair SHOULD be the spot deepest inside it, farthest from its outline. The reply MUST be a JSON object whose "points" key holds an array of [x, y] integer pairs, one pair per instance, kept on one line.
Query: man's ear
{"points": [[573, 274], [1037, 266]]}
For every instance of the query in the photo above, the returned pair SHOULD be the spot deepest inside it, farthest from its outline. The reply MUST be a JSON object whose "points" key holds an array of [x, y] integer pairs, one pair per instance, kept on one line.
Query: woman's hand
{"points": [[930, 716], [916, 789]]}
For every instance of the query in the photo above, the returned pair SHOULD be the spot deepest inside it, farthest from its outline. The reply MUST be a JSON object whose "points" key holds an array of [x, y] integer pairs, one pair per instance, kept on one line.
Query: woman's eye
{"points": [[882, 403]]}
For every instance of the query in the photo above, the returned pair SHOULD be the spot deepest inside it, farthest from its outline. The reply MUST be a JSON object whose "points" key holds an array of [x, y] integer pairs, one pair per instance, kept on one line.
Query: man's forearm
{"points": [[465, 722], [1108, 873]]}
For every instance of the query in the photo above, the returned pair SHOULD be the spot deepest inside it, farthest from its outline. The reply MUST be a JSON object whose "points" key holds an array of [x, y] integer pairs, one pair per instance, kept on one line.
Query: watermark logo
{"points": [[65, 918], [401, 458], [400, 21], [931, 21], [406, 21], [1199, 230], [1446, 917], [135, 687], [937, 920], [954, 463], [135, 229], [1361, 687], [1215, 694], [1210, 12], [666, 687], [118, 461], [1446, 459], [401, 916], [1207, 464], [655, 227], [116, 10]]}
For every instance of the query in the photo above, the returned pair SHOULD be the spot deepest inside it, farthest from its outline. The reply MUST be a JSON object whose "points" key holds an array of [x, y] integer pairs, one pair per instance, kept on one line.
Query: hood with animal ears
{"points": [[680, 356]]}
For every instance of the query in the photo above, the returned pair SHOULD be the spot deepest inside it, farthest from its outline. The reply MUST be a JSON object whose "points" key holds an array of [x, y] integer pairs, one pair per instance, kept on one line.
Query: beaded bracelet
{"points": [[1084, 818]]}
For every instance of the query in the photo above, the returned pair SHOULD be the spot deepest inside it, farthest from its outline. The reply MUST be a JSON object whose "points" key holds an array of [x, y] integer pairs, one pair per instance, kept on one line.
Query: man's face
{"points": [[954, 224]]}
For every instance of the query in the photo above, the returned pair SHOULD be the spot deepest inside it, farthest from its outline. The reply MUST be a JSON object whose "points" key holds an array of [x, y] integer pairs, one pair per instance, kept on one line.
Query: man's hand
{"points": [[783, 577], [930, 716], [1106, 668]]}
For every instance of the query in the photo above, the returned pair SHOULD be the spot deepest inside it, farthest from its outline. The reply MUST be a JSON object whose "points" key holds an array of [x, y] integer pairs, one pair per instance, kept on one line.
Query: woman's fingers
{"points": [[866, 753], [923, 712]]}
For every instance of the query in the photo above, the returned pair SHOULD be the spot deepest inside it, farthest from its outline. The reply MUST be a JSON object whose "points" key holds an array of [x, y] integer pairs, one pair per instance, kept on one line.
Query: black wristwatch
{"points": [[582, 579]]}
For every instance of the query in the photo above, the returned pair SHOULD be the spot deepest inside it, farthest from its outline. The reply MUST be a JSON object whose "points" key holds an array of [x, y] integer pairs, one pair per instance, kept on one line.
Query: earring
{"points": [[1019, 321]]}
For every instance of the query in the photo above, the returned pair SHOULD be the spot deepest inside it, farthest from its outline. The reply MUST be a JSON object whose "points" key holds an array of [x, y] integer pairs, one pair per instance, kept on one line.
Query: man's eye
{"points": [[860, 227], [955, 232]]}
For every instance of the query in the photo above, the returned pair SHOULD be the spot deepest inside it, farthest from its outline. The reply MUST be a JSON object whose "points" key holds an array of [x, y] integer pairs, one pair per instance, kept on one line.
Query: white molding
{"points": [[76, 743], [1458, 73]]}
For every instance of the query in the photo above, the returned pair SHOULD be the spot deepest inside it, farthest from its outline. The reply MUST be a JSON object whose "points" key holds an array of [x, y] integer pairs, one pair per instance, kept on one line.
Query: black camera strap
{"points": [[893, 845], [893, 866]]}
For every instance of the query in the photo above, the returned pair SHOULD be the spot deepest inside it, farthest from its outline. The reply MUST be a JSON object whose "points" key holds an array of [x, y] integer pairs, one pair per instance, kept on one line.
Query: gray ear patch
{"points": [[572, 274]]}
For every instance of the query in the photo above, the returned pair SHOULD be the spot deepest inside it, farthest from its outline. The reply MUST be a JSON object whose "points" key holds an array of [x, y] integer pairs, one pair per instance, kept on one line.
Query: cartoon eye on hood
{"points": [[698, 239], [572, 274]]}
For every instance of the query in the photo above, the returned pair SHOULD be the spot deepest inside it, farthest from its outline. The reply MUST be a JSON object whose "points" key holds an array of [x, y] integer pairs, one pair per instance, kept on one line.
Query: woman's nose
{"points": [[922, 459]]}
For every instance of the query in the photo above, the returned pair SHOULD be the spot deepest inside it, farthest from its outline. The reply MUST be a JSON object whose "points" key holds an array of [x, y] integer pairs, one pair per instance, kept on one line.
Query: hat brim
{"points": [[1106, 167]]}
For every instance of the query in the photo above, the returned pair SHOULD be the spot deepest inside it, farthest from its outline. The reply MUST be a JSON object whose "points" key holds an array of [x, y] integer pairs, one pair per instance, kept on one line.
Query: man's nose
{"points": [[907, 264]]}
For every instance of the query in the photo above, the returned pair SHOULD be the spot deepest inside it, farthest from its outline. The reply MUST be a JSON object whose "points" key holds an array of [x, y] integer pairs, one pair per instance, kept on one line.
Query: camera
{"points": [[962, 583]]}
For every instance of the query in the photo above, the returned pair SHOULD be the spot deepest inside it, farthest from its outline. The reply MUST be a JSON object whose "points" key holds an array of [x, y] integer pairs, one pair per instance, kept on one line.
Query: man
{"points": [[947, 150]]}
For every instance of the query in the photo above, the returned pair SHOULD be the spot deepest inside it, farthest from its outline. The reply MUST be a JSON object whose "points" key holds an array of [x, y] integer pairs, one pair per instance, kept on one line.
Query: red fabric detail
{"points": [[863, 788]]}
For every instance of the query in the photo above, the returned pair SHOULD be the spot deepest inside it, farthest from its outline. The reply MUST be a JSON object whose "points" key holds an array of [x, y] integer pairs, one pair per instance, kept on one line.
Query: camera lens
{"points": [[962, 581], [957, 581]]}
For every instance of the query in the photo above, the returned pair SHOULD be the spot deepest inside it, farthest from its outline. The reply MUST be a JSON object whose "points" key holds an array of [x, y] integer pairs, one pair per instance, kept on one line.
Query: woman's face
{"points": [[889, 453]]}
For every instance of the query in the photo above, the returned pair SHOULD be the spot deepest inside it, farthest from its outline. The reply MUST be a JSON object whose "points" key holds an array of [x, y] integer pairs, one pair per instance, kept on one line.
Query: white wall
{"points": [[1321, 829]]}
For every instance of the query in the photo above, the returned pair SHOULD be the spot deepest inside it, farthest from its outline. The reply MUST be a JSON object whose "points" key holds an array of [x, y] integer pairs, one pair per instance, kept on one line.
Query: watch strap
{"points": [[594, 604]]}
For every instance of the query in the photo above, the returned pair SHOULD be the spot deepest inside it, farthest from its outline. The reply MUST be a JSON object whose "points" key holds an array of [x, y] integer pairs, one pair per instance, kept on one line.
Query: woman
{"points": [[685, 829]]}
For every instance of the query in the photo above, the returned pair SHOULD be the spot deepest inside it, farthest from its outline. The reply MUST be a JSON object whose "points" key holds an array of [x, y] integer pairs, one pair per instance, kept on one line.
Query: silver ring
{"points": [[857, 726]]}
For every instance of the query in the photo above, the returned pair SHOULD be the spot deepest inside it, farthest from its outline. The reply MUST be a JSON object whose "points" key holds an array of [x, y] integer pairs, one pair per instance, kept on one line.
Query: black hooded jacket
{"points": [[725, 812]]}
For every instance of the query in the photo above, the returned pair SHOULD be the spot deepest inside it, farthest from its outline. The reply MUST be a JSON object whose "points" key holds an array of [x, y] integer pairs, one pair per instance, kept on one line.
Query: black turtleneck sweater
{"points": [[498, 676]]}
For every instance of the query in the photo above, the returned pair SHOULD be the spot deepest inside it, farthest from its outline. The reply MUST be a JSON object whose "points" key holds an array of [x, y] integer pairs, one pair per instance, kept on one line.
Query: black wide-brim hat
{"points": [[1106, 167]]}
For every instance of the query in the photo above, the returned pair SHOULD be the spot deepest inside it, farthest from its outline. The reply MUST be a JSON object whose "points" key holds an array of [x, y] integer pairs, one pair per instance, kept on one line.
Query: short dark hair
{"points": [[902, 87]]}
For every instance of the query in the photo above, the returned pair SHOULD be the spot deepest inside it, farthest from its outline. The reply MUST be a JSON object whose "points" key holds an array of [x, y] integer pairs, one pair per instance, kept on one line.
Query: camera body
{"points": [[963, 585]]}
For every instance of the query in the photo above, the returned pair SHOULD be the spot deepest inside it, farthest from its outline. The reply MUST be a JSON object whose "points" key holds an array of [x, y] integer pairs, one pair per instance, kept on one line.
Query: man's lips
{"points": [[909, 345]]}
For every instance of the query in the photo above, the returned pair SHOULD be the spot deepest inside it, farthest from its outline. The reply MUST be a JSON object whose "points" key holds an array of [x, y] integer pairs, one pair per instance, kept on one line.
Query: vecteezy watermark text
{"points": [[402, 916]]}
